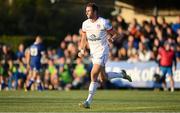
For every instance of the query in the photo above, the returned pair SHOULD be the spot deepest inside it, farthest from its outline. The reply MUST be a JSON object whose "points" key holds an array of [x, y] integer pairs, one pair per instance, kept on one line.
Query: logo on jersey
{"points": [[93, 38], [98, 26]]}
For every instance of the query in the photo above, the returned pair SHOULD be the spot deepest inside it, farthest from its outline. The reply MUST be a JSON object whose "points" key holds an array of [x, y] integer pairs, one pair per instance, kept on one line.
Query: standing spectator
{"points": [[166, 59]]}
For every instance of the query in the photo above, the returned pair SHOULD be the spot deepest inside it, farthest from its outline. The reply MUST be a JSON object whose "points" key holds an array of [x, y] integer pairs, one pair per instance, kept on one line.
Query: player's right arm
{"points": [[82, 44]]}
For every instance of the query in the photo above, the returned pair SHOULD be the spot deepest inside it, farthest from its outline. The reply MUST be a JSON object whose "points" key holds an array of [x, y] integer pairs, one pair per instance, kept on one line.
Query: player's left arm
{"points": [[113, 35]]}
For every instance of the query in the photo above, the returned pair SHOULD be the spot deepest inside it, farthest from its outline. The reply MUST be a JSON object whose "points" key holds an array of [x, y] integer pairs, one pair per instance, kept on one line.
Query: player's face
{"points": [[89, 12]]}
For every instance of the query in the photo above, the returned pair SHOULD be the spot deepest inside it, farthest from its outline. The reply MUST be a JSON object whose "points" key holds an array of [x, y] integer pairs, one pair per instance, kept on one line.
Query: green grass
{"points": [[104, 101]]}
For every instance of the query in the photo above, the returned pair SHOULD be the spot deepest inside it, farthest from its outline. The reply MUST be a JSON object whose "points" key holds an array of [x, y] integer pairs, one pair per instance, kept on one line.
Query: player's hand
{"points": [[81, 53], [110, 40]]}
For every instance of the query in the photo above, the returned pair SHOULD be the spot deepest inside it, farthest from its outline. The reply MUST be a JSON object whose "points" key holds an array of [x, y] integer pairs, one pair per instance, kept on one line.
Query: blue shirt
{"points": [[20, 55], [175, 27], [36, 53]]}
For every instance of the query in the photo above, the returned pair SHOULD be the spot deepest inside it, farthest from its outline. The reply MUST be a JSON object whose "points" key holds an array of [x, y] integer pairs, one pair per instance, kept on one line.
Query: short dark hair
{"points": [[93, 5]]}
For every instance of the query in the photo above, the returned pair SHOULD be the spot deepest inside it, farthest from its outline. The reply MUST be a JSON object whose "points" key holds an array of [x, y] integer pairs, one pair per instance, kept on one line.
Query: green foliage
{"points": [[14, 41], [32, 17]]}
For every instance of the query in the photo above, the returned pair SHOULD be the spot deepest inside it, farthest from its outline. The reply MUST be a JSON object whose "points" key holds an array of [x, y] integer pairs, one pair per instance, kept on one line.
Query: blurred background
{"points": [[144, 26]]}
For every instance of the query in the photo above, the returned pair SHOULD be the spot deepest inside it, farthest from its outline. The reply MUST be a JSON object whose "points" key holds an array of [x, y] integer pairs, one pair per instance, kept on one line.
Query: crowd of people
{"points": [[61, 68]]}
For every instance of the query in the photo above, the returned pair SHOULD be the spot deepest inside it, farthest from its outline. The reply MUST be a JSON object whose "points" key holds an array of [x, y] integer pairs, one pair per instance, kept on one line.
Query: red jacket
{"points": [[167, 57]]}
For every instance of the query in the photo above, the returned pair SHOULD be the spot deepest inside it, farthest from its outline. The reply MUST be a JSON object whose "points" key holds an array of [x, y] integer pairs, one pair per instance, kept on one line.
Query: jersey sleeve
{"points": [[83, 27], [107, 25]]}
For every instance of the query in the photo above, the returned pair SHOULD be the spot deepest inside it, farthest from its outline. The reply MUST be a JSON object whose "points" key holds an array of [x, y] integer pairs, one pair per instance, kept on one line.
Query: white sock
{"points": [[111, 75], [172, 89], [38, 81], [92, 89]]}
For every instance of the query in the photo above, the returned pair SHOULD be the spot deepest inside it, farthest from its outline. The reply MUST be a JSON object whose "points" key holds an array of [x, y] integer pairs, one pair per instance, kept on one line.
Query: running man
{"points": [[97, 32]]}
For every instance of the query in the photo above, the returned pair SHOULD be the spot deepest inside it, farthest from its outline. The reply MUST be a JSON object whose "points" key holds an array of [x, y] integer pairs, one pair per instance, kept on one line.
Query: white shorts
{"points": [[101, 60]]}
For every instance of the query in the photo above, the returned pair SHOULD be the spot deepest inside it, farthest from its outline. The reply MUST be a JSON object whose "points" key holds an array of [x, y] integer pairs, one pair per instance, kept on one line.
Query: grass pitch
{"points": [[104, 101]]}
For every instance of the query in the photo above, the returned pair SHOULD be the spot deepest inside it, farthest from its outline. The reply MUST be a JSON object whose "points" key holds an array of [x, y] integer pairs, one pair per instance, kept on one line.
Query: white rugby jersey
{"points": [[96, 33]]}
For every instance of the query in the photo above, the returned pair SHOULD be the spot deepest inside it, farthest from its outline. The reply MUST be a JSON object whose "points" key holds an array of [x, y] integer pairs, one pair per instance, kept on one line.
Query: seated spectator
{"points": [[12, 75], [132, 56], [121, 22], [65, 77], [52, 76], [60, 50], [178, 53], [156, 45], [131, 43], [79, 74], [20, 52], [122, 54], [176, 25], [22, 74], [2, 77], [134, 27], [143, 53]]}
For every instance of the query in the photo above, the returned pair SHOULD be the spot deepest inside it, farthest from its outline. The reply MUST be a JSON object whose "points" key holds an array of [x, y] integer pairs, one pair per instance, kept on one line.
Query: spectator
{"points": [[79, 74], [121, 22], [178, 53], [22, 74], [143, 53], [2, 77], [167, 60], [60, 50], [122, 54], [20, 52], [64, 74], [154, 22], [12, 75], [51, 75], [132, 56], [156, 45], [176, 25]]}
